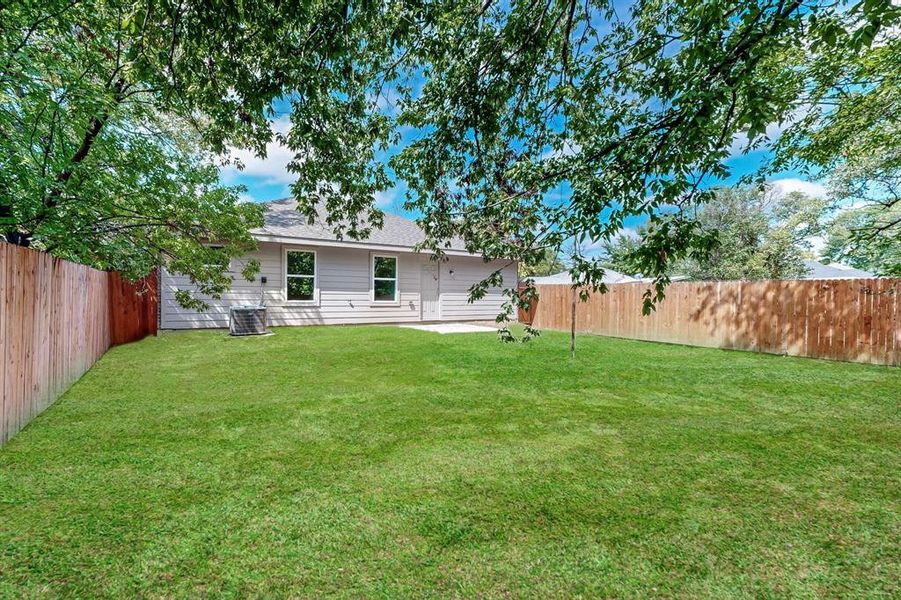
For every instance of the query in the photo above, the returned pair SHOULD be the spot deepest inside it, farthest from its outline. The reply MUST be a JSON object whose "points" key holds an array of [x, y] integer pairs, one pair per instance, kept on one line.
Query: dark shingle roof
{"points": [[817, 270], [281, 219]]}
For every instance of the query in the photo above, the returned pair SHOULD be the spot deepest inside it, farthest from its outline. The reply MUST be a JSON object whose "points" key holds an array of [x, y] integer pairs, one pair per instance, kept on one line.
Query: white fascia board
{"points": [[345, 244]]}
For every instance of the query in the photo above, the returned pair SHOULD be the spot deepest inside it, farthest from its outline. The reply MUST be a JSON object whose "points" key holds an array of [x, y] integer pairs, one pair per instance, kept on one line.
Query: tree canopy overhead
{"points": [[524, 123], [541, 120], [115, 115]]}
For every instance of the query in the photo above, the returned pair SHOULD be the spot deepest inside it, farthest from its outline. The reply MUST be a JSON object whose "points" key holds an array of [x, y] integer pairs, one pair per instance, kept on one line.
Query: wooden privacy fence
{"points": [[133, 308], [841, 319], [56, 319]]}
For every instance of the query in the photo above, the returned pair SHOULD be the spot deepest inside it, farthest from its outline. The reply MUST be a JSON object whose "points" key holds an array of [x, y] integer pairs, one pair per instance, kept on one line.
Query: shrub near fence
{"points": [[56, 319], [841, 319]]}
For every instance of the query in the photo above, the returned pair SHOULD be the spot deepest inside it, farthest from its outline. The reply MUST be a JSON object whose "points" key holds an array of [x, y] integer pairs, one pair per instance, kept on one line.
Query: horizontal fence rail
{"points": [[841, 319], [56, 319]]}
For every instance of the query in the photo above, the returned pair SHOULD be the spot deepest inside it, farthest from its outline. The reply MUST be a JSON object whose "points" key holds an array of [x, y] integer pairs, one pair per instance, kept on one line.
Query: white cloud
{"points": [[773, 132], [269, 170], [740, 140], [627, 232], [568, 149], [595, 247], [386, 198], [386, 101], [391, 199], [592, 246], [793, 184]]}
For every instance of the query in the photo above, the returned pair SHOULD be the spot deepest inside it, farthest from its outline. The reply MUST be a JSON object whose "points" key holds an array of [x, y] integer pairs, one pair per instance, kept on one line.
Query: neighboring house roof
{"points": [[817, 270], [564, 278], [673, 279], [282, 223]]}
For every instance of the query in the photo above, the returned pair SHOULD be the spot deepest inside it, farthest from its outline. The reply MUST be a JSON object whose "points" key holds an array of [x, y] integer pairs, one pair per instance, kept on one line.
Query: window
{"points": [[384, 278], [300, 276], [220, 260]]}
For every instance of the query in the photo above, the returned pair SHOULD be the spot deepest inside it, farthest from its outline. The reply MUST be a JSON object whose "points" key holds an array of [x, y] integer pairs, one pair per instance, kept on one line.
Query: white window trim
{"points": [[395, 279], [228, 267], [285, 275]]}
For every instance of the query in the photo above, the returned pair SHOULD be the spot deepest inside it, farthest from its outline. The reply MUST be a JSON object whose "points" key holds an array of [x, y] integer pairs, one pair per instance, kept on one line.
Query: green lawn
{"points": [[377, 461]]}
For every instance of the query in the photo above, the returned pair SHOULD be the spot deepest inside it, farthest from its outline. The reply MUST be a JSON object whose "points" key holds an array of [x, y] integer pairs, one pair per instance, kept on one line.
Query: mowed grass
{"points": [[378, 461]]}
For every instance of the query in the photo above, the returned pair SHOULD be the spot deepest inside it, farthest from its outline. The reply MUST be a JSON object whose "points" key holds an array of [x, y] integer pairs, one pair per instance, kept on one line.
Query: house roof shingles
{"points": [[817, 270], [281, 219]]}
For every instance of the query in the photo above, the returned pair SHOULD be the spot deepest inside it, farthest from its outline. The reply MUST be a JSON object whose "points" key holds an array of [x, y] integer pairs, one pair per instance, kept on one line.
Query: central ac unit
{"points": [[247, 320]]}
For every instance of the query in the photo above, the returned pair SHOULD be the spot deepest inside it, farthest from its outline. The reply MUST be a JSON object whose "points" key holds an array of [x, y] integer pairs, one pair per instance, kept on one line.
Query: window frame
{"points": [[228, 265], [315, 276], [373, 278]]}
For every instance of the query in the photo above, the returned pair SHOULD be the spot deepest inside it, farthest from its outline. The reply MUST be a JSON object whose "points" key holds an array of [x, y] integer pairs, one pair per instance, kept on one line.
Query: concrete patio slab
{"points": [[445, 328]]}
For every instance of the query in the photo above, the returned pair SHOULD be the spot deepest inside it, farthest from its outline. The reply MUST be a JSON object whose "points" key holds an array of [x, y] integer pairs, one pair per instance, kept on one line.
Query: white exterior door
{"points": [[428, 289]]}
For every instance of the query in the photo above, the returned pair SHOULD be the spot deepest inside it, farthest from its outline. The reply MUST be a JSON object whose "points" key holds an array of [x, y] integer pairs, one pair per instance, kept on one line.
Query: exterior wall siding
{"points": [[458, 274], [343, 283]]}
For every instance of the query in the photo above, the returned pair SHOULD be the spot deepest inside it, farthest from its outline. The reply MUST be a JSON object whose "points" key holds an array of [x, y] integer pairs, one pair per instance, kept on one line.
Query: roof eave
{"points": [[300, 241]]}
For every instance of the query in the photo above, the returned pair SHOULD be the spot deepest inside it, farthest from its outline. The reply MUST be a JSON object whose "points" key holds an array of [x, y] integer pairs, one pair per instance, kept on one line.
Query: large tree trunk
{"points": [[52, 196], [87, 142]]}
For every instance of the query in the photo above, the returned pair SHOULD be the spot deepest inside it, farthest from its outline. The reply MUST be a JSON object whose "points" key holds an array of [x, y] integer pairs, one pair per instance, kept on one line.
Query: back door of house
{"points": [[429, 292]]}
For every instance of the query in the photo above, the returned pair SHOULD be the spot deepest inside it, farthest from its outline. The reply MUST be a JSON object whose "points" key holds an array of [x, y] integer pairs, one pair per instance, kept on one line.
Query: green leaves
{"points": [[740, 233], [851, 134], [111, 117], [525, 124], [866, 230], [539, 123], [626, 116]]}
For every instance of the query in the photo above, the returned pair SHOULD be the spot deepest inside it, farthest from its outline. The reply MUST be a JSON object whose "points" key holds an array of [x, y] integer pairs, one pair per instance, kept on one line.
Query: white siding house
{"points": [[311, 278]]}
